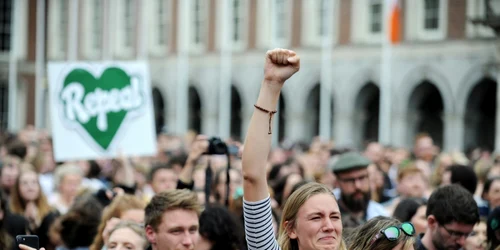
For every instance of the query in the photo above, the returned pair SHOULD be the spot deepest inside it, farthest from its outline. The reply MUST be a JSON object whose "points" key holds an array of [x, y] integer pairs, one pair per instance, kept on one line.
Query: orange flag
{"points": [[395, 22]]}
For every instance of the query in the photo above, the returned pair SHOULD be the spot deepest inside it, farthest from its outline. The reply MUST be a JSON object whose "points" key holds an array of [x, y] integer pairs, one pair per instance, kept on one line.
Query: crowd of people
{"points": [[200, 193]]}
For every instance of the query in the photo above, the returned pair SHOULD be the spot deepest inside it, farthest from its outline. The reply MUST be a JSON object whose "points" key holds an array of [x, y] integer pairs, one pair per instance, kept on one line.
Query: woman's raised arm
{"points": [[280, 65]]}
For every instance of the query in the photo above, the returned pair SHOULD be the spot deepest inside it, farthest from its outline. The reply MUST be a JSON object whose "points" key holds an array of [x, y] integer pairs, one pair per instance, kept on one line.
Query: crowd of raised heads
{"points": [[295, 195]]}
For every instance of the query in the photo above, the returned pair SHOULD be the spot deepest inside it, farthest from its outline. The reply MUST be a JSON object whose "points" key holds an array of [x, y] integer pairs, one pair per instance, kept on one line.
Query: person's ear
{"points": [[150, 234], [290, 230], [432, 222]]}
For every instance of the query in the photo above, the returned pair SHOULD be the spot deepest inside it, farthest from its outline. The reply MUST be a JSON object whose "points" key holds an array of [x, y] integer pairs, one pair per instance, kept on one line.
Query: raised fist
{"points": [[281, 64]]}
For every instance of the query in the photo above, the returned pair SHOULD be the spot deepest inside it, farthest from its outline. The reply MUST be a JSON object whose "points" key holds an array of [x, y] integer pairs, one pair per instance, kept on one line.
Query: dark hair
{"points": [[298, 185], [94, 169], [5, 239], [79, 226], [275, 170], [17, 148], [493, 225], [407, 208], [178, 160], [453, 203], [464, 176], [487, 185], [157, 168], [222, 228]]}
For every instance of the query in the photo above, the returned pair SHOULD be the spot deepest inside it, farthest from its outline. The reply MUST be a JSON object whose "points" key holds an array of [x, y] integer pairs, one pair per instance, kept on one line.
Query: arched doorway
{"points": [[425, 112], [235, 114], [367, 113], [159, 109], [4, 106], [194, 107], [480, 115], [282, 116], [312, 112]]}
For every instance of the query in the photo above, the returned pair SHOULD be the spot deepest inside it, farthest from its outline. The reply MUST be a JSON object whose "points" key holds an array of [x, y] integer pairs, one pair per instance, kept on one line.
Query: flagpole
{"points": [[326, 62], [225, 73], [12, 107], [385, 81], [40, 63]]}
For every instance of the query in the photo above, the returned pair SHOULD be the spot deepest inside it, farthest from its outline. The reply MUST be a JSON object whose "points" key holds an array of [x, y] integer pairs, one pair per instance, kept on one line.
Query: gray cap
{"points": [[349, 161]]}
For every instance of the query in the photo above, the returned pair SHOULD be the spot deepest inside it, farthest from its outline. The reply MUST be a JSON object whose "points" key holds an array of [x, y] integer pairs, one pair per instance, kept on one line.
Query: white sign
{"points": [[99, 110]]}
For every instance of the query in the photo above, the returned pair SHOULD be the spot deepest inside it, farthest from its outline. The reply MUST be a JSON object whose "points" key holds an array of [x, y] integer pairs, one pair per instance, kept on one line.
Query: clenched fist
{"points": [[281, 64]]}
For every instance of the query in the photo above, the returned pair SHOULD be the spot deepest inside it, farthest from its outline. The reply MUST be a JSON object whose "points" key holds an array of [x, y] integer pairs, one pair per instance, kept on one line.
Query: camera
{"points": [[216, 146]]}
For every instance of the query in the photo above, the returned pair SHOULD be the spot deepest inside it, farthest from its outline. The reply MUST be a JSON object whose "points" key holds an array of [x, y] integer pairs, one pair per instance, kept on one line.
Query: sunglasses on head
{"points": [[392, 233]]}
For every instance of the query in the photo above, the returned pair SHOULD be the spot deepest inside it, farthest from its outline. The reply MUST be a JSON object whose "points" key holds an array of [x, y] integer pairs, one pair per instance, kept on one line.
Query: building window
{"points": [[431, 14], [129, 23], [63, 24], [322, 14], [162, 22], [4, 105], [281, 18], [237, 20], [376, 17], [5, 23], [199, 22], [97, 24]]}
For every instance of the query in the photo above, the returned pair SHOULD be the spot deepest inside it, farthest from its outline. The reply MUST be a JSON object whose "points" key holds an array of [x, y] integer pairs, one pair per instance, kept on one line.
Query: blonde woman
{"points": [[127, 235], [382, 233], [123, 208], [311, 215]]}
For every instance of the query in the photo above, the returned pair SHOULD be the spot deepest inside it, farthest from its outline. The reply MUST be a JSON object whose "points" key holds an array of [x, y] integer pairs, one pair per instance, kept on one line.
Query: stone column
{"points": [[343, 129], [453, 132]]}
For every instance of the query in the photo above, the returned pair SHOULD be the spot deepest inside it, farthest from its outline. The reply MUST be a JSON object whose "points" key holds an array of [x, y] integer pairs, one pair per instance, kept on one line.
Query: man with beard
{"points": [[451, 215], [356, 206]]}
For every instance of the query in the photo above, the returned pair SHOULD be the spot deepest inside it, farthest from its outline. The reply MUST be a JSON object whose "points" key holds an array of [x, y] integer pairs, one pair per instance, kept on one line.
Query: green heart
{"points": [[99, 105]]}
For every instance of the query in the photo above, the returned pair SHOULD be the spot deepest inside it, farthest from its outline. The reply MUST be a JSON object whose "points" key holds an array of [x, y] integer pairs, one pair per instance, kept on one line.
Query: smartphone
{"points": [[28, 240]]}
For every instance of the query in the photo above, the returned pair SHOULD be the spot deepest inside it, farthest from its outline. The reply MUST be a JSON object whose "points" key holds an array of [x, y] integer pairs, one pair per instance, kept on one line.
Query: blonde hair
{"points": [[64, 170], [135, 227], [362, 237], [119, 205], [289, 216]]}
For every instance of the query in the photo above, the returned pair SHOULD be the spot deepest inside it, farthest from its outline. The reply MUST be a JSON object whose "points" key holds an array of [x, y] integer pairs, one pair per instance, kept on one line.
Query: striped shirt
{"points": [[259, 225]]}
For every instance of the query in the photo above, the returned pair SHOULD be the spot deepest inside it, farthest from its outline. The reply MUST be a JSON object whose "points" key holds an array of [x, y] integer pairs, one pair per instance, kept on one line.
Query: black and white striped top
{"points": [[259, 225]]}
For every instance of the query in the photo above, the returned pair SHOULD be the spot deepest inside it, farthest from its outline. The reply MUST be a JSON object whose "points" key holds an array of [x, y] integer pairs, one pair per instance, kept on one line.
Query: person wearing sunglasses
{"points": [[382, 233], [451, 214]]}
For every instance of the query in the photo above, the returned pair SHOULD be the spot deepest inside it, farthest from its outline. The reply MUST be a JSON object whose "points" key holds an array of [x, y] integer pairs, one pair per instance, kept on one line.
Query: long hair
{"points": [[119, 205], [291, 209], [5, 239], [18, 204], [362, 237]]}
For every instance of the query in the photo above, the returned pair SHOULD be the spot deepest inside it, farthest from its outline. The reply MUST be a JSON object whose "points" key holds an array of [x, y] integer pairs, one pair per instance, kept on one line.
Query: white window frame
{"points": [[264, 12], [431, 35], [58, 41], [244, 13], [198, 48], [157, 49], [21, 29], [311, 23], [242, 44], [121, 50], [361, 16], [91, 51], [476, 9]]}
